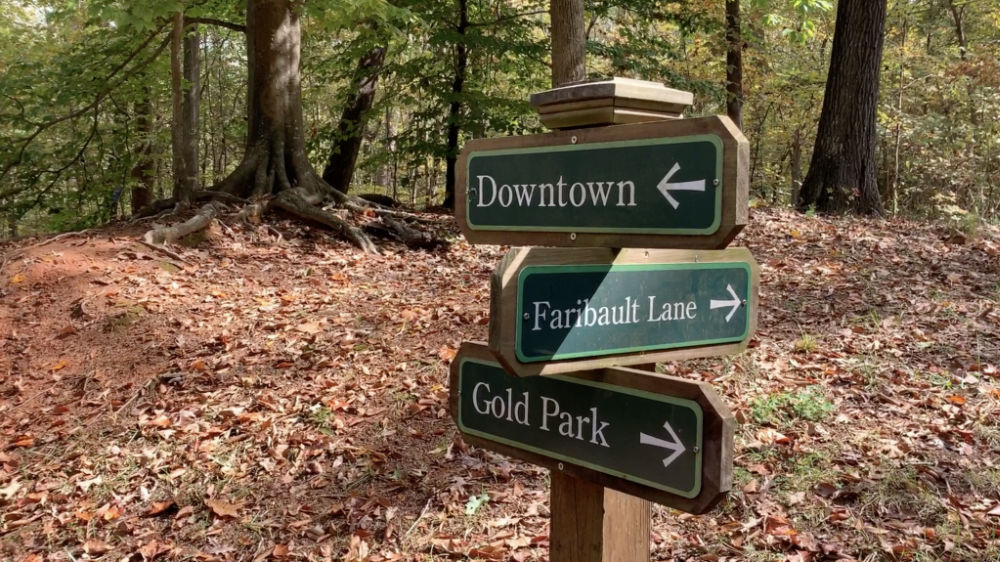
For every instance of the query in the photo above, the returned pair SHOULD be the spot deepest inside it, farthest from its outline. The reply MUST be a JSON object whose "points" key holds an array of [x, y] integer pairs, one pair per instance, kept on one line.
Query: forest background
{"points": [[86, 94]]}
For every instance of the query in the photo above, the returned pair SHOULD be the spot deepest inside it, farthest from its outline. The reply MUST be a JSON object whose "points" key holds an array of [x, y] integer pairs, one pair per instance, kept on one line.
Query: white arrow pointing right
{"points": [[676, 446], [735, 302], [665, 187]]}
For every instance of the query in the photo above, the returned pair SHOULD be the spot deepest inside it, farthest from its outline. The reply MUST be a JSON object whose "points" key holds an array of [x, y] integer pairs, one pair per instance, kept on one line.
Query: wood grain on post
{"points": [[591, 523]]}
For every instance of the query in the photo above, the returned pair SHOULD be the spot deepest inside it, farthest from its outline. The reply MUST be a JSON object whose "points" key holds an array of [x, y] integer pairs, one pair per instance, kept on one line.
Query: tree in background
{"points": [[842, 174]]}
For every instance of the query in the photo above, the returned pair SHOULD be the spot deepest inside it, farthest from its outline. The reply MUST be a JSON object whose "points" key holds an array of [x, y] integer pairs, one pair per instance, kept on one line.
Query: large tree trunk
{"points": [[184, 137], [347, 140], [569, 41], [143, 173], [274, 162], [734, 63], [275, 157], [180, 192], [190, 110], [842, 173], [455, 109]]}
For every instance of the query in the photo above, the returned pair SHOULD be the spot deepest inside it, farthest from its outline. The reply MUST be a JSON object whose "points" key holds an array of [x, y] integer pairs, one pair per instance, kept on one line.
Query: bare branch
{"points": [[216, 22]]}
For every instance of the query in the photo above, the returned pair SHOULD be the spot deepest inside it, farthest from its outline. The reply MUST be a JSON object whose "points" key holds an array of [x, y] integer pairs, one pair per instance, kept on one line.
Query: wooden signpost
{"points": [[667, 184], [642, 212], [563, 310], [657, 437]]}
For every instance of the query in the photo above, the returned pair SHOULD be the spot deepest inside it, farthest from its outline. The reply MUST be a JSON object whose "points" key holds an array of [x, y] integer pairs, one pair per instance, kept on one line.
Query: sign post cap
{"points": [[609, 102]]}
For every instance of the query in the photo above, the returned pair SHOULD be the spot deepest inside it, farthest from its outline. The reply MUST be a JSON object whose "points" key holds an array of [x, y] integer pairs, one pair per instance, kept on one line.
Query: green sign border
{"points": [[682, 402], [535, 269], [713, 228]]}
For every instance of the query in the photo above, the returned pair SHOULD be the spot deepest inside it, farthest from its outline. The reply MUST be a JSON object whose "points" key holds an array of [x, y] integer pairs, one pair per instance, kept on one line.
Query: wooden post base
{"points": [[591, 523]]}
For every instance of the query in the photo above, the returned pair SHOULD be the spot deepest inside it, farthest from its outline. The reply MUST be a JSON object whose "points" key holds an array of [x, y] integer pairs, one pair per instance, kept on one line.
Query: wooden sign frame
{"points": [[505, 319], [734, 186], [717, 431]]}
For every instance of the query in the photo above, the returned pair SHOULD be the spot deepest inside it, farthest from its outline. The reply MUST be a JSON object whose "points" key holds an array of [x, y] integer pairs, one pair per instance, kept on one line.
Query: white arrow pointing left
{"points": [[666, 187], [676, 446], [735, 302]]}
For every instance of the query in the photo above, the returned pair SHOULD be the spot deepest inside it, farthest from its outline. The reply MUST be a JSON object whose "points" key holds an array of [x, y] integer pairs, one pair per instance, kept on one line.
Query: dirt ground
{"points": [[279, 395]]}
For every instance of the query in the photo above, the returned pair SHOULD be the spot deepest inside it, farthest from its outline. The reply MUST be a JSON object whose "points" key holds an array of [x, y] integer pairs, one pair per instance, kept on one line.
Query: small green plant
{"points": [[805, 344], [808, 404], [320, 416], [475, 502]]}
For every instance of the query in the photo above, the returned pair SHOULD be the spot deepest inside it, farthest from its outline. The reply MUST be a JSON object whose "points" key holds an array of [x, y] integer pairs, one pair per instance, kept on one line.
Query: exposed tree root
{"points": [[171, 234], [157, 207], [303, 202], [412, 237], [167, 252], [298, 202]]}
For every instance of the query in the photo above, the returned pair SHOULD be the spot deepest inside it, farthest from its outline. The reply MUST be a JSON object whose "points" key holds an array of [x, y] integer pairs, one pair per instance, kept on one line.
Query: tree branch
{"points": [[74, 114], [216, 22], [507, 18]]}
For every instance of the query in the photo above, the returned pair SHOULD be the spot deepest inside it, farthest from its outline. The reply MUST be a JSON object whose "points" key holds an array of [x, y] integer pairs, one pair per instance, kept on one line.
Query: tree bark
{"points": [[842, 172], [455, 109], [180, 193], [569, 41], [734, 63], [347, 140], [190, 110], [274, 159], [143, 173]]}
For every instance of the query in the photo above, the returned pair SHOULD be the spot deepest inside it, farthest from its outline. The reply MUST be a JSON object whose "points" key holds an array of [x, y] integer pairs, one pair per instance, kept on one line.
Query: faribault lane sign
{"points": [[637, 306], [678, 183]]}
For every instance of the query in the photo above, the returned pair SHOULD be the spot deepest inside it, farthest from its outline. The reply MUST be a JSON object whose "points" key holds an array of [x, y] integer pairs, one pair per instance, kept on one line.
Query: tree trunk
{"points": [[190, 111], [455, 109], [143, 173], [347, 140], [796, 165], [180, 193], [734, 63], [569, 41], [842, 173], [275, 158], [957, 16]]}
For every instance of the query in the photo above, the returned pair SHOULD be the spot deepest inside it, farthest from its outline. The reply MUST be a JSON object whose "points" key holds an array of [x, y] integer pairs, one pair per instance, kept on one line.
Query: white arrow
{"points": [[665, 187], [676, 446], [735, 302]]}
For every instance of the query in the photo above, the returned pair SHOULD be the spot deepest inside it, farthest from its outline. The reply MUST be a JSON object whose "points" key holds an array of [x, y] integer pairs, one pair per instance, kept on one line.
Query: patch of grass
{"points": [[984, 481], [901, 494], [869, 372], [805, 344], [809, 404], [320, 416], [124, 319]]}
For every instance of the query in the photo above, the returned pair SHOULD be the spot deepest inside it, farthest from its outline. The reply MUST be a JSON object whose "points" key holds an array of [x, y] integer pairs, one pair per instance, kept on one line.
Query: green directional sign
{"points": [[663, 184], [658, 186], [644, 436], [571, 311], [637, 302]]}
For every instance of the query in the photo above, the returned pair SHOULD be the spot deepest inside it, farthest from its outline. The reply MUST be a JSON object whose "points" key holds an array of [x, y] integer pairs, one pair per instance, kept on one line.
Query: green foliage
{"points": [[475, 503], [75, 75], [808, 404]]}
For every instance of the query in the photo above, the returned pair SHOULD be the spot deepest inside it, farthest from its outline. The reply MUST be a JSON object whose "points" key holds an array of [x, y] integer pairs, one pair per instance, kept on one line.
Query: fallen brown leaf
{"points": [[223, 508]]}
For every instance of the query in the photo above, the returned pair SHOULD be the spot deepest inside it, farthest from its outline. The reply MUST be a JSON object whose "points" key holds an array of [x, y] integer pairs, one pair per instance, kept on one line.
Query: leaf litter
{"points": [[286, 398]]}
